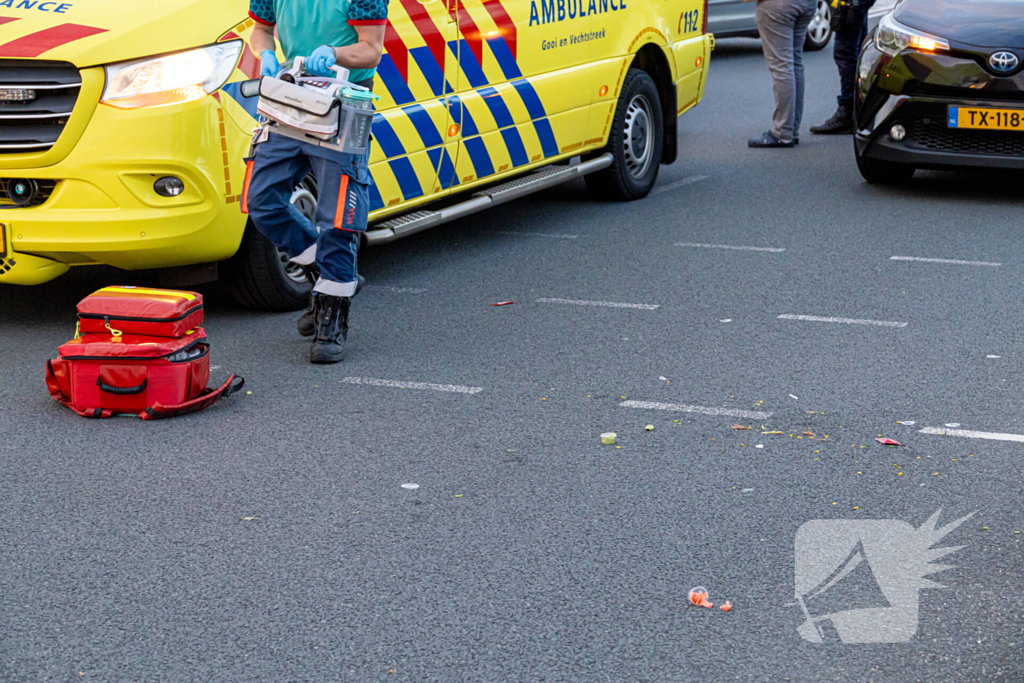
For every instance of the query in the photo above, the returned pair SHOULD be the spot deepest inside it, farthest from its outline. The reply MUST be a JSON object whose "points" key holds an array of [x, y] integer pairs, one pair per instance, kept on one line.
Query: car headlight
{"points": [[893, 38], [170, 79]]}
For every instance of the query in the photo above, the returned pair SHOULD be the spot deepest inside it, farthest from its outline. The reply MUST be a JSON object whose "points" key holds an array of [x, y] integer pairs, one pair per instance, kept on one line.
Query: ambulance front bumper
{"points": [[102, 205]]}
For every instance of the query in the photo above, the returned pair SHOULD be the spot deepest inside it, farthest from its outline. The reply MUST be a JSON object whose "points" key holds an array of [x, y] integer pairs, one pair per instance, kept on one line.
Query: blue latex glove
{"points": [[269, 66], [320, 62]]}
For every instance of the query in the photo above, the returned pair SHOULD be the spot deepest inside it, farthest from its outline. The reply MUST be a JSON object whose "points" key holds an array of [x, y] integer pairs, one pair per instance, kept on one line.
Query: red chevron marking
{"points": [[35, 44], [425, 25], [469, 30], [7, 20], [504, 22], [397, 50]]}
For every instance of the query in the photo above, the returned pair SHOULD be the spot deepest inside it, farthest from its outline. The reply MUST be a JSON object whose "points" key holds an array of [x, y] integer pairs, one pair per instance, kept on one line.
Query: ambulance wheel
{"points": [[635, 142], [260, 277], [260, 274]]}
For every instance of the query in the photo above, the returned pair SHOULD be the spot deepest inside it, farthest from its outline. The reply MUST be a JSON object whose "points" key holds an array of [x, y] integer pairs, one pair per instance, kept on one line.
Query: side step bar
{"points": [[417, 221]]}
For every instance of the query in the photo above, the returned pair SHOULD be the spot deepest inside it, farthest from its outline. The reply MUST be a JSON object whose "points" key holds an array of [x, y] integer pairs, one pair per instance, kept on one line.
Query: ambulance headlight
{"points": [[170, 79]]}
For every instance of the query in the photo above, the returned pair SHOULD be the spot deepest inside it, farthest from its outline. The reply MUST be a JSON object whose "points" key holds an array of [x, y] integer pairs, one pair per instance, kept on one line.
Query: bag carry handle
{"points": [[121, 391], [158, 411]]}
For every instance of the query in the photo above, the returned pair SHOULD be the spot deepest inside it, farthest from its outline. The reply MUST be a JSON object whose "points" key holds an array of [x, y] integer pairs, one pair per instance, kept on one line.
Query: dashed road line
{"points": [[536, 234], [679, 408], [955, 262], [970, 434], [849, 321], [677, 184], [774, 250], [400, 290], [608, 304], [451, 388]]}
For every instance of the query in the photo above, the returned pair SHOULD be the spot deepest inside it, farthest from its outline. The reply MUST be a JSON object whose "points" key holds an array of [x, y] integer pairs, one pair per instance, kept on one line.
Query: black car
{"points": [[941, 85]]}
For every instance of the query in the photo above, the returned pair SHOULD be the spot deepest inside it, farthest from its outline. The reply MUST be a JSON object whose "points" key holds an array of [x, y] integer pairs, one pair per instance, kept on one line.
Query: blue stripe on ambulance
{"points": [[386, 137], [474, 73], [406, 177], [445, 168], [424, 125], [431, 70], [234, 91], [539, 116], [510, 68], [393, 81], [474, 145], [514, 143], [376, 201]]}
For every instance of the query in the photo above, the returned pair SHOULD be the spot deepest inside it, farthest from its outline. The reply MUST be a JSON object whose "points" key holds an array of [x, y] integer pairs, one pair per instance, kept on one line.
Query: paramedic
{"points": [[350, 34]]}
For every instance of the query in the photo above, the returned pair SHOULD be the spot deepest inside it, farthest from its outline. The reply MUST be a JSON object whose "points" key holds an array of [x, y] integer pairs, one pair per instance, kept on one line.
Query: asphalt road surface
{"points": [[270, 538]]}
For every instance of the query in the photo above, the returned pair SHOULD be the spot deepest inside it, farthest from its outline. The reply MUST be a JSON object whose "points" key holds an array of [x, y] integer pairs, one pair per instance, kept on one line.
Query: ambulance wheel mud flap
{"points": [[635, 142], [259, 276]]}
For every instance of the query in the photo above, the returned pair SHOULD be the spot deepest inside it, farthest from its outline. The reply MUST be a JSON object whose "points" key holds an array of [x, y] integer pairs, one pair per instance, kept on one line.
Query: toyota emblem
{"points": [[1003, 62]]}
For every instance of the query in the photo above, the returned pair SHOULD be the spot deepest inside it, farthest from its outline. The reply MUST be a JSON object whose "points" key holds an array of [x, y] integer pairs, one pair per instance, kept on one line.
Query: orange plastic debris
{"points": [[699, 597], [808, 433], [739, 427], [726, 607], [888, 442]]}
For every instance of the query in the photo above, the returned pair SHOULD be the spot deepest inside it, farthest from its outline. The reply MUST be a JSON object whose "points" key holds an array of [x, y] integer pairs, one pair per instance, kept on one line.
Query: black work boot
{"points": [[841, 122], [331, 328], [307, 321]]}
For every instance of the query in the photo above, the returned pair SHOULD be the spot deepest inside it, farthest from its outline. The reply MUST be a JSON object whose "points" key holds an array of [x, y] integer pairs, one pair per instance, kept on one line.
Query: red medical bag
{"points": [[155, 374], [138, 310]]}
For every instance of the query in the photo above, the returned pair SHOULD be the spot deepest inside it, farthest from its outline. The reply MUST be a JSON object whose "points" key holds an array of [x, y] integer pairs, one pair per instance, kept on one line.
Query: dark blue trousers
{"points": [[343, 203], [846, 51]]}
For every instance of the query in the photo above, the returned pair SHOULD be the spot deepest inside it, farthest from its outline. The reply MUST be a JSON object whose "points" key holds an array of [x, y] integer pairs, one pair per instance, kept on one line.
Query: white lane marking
{"points": [[969, 434], [955, 262], [400, 290], [609, 304], [677, 184], [453, 388], [727, 412], [851, 321], [774, 250], [537, 234]]}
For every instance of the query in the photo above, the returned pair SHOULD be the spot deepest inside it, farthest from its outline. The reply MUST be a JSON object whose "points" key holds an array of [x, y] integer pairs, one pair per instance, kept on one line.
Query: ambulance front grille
{"points": [[36, 101]]}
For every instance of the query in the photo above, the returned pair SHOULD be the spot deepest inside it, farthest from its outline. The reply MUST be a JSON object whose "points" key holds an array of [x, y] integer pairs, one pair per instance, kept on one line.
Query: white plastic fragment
{"points": [[411, 487], [649, 428], [794, 397], [952, 424], [608, 438]]}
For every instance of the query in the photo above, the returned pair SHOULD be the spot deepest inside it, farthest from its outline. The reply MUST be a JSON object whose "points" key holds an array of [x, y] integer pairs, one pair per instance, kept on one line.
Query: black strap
{"points": [[236, 386], [121, 391]]}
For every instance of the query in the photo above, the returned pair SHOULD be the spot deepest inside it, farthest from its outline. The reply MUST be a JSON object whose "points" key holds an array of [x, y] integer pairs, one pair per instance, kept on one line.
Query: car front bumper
{"points": [[915, 90]]}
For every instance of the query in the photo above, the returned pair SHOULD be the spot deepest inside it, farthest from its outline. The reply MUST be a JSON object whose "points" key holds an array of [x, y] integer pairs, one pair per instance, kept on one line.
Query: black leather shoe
{"points": [[841, 123], [307, 321], [331, 328], [768, 139]]}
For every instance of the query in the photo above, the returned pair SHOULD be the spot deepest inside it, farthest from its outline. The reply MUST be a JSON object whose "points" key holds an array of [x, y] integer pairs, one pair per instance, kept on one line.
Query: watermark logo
{"points": [[858, 581]]}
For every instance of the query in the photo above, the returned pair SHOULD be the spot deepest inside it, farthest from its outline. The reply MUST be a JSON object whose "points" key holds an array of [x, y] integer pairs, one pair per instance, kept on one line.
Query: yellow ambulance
{"points": [[123, 124]]}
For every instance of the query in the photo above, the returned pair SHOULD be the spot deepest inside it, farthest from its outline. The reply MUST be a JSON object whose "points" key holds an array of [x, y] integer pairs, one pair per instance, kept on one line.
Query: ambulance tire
{"points": [[257, 277], [635, 142]]}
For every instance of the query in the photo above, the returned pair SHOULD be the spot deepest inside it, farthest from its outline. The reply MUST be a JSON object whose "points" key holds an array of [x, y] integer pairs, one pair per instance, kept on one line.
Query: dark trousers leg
{"points": [[847, 52]]}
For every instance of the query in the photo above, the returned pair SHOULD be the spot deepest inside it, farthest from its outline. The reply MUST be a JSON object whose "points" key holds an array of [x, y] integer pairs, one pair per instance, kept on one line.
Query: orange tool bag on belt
{"points": [[142, 353]]}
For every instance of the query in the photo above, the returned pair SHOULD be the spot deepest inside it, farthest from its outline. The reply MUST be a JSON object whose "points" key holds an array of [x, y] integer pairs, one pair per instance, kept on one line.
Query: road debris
{"points": [[774, 432], [808, 433], [739, 427], [410, 487], [726, 606], [760, 445], [649, 428], [249, 519], [608, 438], [888, 442], [699, 597], [906, 422], [953, 424], [503, 303]]}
